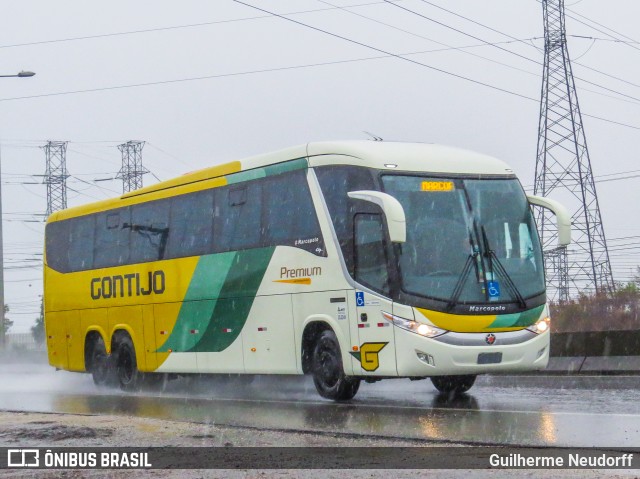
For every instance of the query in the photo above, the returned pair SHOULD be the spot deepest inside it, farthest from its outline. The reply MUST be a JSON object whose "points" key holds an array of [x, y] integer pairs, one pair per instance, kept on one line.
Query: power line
{"points": [[458, 30], [484, 43], [615, 40], [631, 40], [526, 42], [174, 27], [269, 70], [461, 49], [495, 46], [293, 67]]}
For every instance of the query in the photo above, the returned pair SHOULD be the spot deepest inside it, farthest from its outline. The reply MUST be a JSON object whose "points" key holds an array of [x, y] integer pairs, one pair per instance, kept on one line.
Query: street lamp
{"points": [[22, 74]]}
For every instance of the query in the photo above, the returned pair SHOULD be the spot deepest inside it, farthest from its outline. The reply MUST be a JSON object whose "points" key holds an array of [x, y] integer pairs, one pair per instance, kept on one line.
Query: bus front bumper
{"points": [[461, 353]]}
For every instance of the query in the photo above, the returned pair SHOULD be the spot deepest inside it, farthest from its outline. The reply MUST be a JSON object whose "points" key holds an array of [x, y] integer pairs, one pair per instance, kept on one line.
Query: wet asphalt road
{"points": [[505, 410]]}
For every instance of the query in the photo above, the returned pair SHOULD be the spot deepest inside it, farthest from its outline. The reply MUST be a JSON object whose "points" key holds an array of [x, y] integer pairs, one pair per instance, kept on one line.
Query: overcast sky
{"points": [[208, 82]]}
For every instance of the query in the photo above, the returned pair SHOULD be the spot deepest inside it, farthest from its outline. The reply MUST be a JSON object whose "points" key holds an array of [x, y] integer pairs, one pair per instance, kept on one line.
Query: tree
{"points": [[7, 322], [37, 330], [619, 310]]}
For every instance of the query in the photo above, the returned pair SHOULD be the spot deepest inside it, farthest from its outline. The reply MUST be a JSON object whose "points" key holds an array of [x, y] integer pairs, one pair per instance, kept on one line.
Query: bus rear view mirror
{"points": [[563, 220], [392, 210]]}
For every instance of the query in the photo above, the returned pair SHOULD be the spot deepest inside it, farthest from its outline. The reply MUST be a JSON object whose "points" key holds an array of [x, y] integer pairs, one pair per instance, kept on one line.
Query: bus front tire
{"points": [[328, 373], [129, 378], [453, 384]]}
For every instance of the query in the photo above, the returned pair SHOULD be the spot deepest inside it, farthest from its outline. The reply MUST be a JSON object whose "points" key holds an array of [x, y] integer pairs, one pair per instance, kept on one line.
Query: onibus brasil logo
{"points": [[368, 355]]}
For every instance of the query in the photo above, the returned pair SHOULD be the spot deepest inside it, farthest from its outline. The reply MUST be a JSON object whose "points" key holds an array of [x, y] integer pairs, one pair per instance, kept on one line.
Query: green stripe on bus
{"points": [[524, 319], [196, 310], [236, 298], [270, 170]]}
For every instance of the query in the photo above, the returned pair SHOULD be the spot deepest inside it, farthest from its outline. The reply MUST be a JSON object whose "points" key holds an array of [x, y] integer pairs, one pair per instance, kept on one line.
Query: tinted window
{"points": [[289, 215], [57, 245], [238, 217], [191, 228], [149, 231], [336, 182], [370, 257], [272, 211], [81, 239], [112, 238]]}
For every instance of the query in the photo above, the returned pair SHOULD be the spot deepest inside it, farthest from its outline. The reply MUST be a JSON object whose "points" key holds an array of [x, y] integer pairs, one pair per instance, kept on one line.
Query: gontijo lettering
{"points": [[128, 285]]}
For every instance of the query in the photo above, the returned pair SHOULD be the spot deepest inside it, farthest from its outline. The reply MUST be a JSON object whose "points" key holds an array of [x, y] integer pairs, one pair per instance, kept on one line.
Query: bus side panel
{"points": [[331, 308], [268, 337], [219, 349], [129, 318], [176, 358], [75, 340], [96, 320], [228, 361], [149, 337], [55, 327]]}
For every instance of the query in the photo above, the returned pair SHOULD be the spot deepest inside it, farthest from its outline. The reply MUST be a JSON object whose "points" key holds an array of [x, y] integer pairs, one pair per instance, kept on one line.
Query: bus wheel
{"points": [[328, 373], [101, 370], [453, 384], [126, 365]]}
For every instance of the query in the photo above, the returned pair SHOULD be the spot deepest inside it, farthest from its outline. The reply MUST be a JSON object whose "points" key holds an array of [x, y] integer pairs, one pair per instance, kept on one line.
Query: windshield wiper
{"points": [[472, 260], [496, 265]]}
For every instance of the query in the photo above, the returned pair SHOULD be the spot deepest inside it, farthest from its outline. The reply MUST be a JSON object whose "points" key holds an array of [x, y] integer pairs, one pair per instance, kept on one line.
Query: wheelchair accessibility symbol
{"points": [[359, 298], [494, 289]]}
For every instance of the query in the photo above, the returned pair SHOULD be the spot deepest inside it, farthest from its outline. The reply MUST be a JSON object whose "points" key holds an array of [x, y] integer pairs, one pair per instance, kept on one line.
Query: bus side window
{"points": [[289, 217], [191, 226], [112, 238], [370, 256], [238, 217], [57, 246], [82, 233], [149, 231]]}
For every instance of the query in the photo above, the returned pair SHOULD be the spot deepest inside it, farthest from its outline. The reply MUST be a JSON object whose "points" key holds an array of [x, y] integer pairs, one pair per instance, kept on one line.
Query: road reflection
{"points": [[458, 419], [486, 415]]}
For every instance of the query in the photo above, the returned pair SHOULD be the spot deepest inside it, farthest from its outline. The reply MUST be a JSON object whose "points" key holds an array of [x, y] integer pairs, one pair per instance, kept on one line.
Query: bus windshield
{"points": [[468, 240]]}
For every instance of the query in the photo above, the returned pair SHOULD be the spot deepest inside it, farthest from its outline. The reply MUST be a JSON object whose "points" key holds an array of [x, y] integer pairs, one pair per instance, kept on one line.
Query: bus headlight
{"points": [[422, 329], [541, 325]]}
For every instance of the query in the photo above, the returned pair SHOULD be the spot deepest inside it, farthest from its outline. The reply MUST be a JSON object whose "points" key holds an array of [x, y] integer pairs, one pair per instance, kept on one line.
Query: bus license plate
{"points": [[489, 358]]}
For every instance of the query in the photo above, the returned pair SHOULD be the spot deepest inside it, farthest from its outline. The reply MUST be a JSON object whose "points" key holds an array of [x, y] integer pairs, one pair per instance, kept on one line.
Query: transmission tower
{"points": [[56, 175], [563, 170], [132, 169]]}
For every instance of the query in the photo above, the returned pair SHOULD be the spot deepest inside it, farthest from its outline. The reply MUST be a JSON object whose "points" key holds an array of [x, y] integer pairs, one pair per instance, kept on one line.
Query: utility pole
{"points": [[56, 175], [132, 170], [563, 169], [22, 74]]}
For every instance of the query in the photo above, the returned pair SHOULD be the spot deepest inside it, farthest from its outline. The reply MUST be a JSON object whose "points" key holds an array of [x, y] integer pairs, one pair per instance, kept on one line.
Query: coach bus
{"points": [[348, 261]]}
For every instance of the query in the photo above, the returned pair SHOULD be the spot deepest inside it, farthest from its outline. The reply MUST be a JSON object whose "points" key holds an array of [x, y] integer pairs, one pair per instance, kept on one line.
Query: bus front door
{"points": [[376, 352]]}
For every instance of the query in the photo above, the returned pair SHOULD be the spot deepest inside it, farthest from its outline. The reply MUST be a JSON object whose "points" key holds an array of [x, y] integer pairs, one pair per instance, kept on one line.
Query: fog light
{"points": [[426, 358]]}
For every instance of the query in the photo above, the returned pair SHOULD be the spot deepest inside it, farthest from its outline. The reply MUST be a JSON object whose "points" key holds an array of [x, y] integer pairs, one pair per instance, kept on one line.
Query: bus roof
{"points": [[417, 157]]}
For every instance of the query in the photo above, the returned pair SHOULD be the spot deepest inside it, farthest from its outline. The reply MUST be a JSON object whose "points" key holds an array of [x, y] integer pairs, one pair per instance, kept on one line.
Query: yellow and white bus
{"points": [[349, 261]]}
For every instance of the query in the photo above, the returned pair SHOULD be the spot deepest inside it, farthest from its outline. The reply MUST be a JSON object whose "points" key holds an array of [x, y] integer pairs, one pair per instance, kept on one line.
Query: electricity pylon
{"points": [[563, 170], [132, 170], [56, 175]]}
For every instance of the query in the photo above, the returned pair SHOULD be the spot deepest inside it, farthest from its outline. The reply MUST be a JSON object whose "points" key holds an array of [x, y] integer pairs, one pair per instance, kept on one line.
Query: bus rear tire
{"points": [[453, 384], [101, 368], [129, 378], [328, 373]]}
